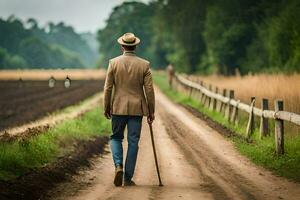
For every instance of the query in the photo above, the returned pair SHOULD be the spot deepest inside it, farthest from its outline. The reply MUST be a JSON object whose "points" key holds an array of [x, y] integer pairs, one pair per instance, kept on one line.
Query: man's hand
{"points": [[107, 114], [150, 118]]}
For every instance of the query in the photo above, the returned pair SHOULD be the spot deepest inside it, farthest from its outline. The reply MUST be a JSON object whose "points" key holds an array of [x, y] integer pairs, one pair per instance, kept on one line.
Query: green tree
{"points": [[128, 17], [65, 36], [182, 23], [229, 29], [276, 46], [12, 32], [213, 36], [11, 61], [38, 54], [59, 46]]}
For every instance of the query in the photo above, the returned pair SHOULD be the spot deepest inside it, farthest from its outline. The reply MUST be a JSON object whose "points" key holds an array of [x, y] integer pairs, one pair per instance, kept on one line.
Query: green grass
{"points": [[17, 157], [260, 151]]}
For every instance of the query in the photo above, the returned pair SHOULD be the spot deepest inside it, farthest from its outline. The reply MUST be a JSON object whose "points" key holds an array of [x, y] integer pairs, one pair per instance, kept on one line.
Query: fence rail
{"points": [[230, 107]]}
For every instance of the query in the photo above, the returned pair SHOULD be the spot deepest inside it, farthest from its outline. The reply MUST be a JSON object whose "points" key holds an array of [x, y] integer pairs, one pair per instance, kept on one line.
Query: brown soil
{"points": [[24, 132], [22, 102], [35, 184]]}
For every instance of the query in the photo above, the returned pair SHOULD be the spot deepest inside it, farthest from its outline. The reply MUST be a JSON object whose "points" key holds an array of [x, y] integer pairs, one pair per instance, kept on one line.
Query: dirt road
{"points": [[196, 163]]}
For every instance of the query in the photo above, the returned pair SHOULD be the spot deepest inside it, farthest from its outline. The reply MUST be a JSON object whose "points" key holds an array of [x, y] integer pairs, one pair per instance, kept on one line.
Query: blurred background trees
{"points": [[26, 45], [196, 36], [213, 36], [129, 17]]}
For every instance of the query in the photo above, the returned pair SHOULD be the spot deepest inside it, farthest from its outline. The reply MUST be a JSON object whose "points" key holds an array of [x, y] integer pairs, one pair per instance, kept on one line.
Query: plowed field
{"points": [[22, 102]]}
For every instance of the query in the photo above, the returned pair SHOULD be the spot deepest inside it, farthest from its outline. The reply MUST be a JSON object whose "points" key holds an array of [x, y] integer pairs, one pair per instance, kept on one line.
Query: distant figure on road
{"points": [[171, 72], [129, 76]]}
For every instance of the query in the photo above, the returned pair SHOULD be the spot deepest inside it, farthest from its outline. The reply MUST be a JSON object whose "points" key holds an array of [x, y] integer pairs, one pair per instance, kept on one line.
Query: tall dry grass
{"points": [[271, 87], [285, 87]]}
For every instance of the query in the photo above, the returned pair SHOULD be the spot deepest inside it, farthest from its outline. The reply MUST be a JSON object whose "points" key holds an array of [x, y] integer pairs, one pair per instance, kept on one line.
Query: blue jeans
{"points": [[134, 126]]}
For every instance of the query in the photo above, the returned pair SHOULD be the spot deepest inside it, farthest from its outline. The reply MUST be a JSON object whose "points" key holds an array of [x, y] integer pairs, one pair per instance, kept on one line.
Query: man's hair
{"points": [[129, 48]]}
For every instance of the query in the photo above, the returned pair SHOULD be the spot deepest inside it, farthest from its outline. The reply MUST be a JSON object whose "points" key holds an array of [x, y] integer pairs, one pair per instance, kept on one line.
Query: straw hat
{"points": [[128, 39]]}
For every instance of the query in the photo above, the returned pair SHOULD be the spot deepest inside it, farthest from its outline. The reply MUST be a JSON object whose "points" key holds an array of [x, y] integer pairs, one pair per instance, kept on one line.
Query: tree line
{"points": [[210, 36], [27, 45]]}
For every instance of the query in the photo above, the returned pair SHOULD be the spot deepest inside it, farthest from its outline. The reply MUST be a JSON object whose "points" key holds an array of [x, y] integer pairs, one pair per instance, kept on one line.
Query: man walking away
{"points": [[128, 96]]}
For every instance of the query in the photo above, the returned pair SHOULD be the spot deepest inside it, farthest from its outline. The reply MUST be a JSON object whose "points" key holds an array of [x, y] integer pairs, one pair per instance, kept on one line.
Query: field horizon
{"points": [[58, 74]]}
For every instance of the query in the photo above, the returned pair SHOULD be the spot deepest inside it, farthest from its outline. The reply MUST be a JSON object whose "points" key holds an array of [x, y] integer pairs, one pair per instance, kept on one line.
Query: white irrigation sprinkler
{"points": [[51, 82], [67, 82]]}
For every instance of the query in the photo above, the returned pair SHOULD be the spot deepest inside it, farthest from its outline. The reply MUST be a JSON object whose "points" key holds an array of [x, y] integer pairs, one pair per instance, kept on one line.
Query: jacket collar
{"points": [[129, 53]]}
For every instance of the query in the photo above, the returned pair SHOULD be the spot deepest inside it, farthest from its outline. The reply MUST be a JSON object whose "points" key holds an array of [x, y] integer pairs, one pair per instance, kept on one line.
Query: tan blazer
{"points": [[128, 88]]}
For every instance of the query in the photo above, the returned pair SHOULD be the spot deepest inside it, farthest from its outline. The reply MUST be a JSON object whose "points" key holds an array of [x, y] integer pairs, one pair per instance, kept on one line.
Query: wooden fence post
{"points": [[182, 87], [179, 86], [229, 106], [200, 92], [208, 97], [253, 124], [223, 105], [201, 83], [190, 92], [218, 103], [250, 125], [213, 103], [203, 95], [204, 99], [215, 100], [264, 122], [185, 88], [235, 112], [174, 83], [279, 131], [194, 92]]}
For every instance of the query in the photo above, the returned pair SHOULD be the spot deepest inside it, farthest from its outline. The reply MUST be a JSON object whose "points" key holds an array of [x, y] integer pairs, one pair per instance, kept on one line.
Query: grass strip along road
{"points": [[259, 151], [18, 157]]}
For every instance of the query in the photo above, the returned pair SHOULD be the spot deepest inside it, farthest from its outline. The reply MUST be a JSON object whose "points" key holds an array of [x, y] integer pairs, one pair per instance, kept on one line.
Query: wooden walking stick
{"points": [[154, 152]]}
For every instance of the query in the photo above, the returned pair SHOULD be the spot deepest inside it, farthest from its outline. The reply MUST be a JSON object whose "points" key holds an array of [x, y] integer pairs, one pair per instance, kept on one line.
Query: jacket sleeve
{"points": [[149, 91], [108, 87]]}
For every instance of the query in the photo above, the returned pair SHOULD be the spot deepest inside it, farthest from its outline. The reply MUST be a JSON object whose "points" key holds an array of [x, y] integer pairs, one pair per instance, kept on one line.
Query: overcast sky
{"points": [[83, 15]]}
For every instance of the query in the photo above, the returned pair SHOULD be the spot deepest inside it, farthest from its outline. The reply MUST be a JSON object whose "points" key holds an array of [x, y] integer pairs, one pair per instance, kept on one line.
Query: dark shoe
{"points": [[129, 183], [118, 176]]}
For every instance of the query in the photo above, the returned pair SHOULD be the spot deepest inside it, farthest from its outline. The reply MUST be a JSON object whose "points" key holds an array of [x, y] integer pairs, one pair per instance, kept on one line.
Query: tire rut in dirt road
{"points": [[214, 173], [181, 178]]}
